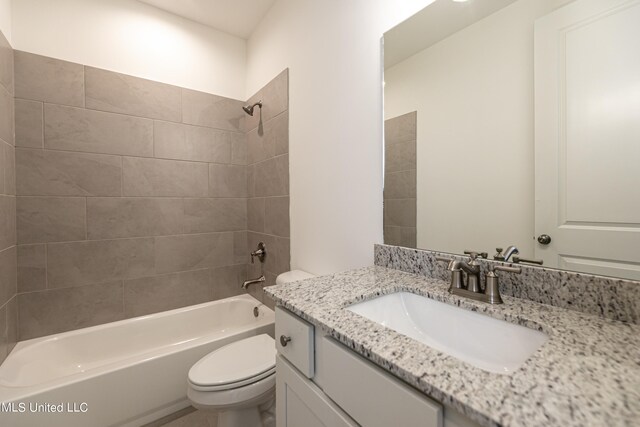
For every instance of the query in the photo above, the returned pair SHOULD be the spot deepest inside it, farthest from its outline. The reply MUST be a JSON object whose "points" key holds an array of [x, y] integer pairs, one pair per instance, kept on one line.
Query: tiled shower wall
{"points": [[8, 298], [400, 180], [132, 196], [268, 179]]}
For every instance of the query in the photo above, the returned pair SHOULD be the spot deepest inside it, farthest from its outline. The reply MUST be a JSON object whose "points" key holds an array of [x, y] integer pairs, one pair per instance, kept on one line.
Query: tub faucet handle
{"points": [[260, 252]]}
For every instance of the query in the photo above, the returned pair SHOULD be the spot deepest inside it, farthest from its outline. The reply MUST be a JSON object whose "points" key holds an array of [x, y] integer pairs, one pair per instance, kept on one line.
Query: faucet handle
{"points": [[506, 268], [517, 260], [445, 259], [473, 254]]}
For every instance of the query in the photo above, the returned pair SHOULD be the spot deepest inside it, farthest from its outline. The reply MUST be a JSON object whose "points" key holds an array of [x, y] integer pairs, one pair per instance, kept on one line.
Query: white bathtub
{"points": [[124, 373]]}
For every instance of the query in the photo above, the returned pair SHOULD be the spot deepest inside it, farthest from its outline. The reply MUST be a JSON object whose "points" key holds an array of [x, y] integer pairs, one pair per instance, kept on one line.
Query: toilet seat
{"points": [[235, 365]]}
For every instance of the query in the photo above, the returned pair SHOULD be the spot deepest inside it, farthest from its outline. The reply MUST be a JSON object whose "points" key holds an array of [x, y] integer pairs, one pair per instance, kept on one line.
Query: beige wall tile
{"points": [[58, 310], [186, 142], [251, 181], [400, 185], [9, 169], [6, 116], [3, 165], [7, 222], [227, 180], [203, 109], [210, 215], [272, 177], [280, 132], [192, 252], [159, 293], [400, 157], [120, 93], [272, 141], [77, 129], [276, 218], [275, 100], [239, 151], [32, 268], [169, 178], [8, 274], [6, 63], [259, 146], [283, 256], [240, 248], [400, 236], [227, 281], [50, 173], [400, 212], [12, 323], [8, 327], [41, 78], [400, 129], [51, 219], [4, 336], [84, 263], [110, 218], [255, 214], [29, 123]]}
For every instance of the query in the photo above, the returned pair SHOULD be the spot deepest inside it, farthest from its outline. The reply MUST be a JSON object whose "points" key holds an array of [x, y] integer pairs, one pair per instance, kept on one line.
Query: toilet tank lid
{"points": [[293, 276]]}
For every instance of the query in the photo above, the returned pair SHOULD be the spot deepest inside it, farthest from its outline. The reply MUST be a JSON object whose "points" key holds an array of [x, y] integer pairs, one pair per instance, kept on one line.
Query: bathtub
{"points": [[125, 373]]}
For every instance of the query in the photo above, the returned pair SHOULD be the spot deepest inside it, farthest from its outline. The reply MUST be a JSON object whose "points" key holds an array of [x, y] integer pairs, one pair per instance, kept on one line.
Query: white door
{"points": [[587, 137]]}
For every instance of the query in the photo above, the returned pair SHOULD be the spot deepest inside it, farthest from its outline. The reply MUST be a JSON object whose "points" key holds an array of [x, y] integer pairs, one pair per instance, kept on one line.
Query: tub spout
{"points": [[260, 279]]}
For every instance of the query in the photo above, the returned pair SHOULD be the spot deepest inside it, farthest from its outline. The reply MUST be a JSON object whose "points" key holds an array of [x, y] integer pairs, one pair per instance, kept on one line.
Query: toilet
{"points": [[238, 380]]}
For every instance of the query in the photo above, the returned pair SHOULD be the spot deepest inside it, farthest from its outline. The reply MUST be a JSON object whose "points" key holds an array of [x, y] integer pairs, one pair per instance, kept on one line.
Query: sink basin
{"points": [[487, 343]]}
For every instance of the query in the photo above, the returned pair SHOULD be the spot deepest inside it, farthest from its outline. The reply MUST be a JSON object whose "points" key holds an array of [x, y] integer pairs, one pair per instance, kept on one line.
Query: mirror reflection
{"points": [[516, 125]]}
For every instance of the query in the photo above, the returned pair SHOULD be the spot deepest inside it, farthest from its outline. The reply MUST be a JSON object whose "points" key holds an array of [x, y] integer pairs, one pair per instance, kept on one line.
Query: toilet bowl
{"points": [[238, 382]]}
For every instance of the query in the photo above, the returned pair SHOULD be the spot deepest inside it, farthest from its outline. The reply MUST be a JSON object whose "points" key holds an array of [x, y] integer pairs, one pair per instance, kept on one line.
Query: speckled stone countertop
{"points": [[586, 374]]}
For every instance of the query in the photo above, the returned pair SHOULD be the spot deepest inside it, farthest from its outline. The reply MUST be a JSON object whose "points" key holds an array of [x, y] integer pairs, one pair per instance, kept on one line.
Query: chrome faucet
{"points": [[472, 268], [260, 279], [473, 288], [260, 253], [511, 250]]}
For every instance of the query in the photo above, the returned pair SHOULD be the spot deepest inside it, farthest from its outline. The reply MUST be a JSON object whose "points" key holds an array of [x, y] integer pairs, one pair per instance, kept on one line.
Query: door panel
{"points": [[587, 123]]}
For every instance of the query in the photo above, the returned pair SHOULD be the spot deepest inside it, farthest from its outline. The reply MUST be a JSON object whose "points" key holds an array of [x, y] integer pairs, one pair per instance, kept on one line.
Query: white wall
{"points": [[332, 48], [474, 95], [132, 38], [5, 18]]}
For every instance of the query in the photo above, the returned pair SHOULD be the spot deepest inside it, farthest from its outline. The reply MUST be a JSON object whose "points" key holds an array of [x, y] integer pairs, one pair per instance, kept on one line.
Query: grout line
{"points": [[46, 266], [57, 150], [122, 176]]}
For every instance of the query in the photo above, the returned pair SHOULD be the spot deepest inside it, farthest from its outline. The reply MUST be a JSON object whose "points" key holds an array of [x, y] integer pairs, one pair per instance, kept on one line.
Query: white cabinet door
{"points": [[300, 403], [587, 137]]}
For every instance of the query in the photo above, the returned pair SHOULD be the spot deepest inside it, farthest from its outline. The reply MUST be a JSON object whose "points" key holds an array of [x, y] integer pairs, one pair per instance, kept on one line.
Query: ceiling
{"points": [[435, 22], [235, 17]]}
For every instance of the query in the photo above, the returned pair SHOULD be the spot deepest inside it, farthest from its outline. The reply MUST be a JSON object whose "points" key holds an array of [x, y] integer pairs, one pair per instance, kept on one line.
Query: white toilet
{"points": [[238, 380]]}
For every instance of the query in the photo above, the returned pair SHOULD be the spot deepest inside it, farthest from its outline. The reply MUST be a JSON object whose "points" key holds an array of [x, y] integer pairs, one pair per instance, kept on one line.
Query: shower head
{"points": [[249, 108]]}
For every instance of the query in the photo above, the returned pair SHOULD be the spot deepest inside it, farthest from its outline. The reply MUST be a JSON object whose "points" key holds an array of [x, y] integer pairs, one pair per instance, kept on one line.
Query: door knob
{"points": [[544, 239]]}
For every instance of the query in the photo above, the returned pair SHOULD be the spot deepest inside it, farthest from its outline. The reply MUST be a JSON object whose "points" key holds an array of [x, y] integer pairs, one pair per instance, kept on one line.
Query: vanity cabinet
{"points": [[320, 382], [299, 402]]}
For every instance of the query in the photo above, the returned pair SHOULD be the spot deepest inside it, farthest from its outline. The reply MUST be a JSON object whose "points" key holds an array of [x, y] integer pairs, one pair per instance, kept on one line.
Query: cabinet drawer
{"points": [[299, 348], [372, 397]]}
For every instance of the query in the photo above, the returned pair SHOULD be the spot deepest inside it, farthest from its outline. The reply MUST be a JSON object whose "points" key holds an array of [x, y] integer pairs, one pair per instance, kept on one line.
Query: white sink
{"points": [[487, 343]]}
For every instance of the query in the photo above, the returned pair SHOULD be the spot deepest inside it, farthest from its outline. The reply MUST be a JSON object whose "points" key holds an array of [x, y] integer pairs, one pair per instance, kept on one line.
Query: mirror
{"points": [[516, 122]]}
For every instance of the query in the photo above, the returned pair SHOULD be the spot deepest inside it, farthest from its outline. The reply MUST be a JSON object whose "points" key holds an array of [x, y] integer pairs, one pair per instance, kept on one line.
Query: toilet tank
{"points": [[293, 276]]}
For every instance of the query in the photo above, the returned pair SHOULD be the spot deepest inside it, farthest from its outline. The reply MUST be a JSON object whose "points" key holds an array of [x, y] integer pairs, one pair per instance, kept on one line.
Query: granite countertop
{"points": [[586, 374]]}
